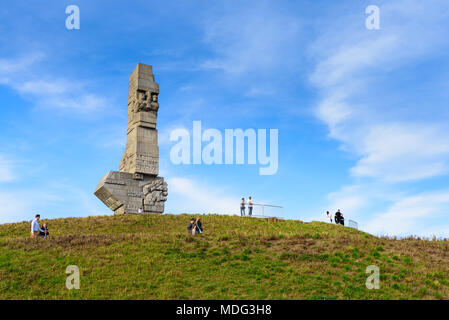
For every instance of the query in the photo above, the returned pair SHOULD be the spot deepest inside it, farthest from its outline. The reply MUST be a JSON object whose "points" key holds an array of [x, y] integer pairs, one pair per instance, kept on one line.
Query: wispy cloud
{"points": [[251, 39], [403, 152], [412, 213], [10, 66], [384, 209], [399, 146], [383, 127], [196, 196], [48, 90]]}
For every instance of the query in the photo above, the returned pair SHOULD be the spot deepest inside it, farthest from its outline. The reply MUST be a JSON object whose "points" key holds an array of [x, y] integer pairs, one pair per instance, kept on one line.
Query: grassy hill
{"points": [[150, 257]]}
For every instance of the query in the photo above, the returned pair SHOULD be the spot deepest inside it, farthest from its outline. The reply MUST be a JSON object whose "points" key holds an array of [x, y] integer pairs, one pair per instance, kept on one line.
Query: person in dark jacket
{"points": [[342, 219], [44, 233], [339, 219], [199, 226]]}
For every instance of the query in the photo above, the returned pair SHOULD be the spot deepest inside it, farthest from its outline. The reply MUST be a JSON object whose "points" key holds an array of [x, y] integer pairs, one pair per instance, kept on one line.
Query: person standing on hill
{"points": [[242, 207], [35, 229], [250, 206], [329, 216]]}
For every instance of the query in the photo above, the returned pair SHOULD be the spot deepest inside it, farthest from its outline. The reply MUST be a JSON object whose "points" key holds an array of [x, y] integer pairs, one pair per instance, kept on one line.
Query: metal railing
{"points": [[353, 224], [266, 211]]}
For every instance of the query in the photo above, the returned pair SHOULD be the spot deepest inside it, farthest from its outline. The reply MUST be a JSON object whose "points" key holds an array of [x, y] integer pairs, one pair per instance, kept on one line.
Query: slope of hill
{"points": [[151, 257]]}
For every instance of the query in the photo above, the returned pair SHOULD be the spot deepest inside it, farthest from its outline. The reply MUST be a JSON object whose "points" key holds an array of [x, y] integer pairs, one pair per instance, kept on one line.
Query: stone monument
{"points": [[137, 188]]}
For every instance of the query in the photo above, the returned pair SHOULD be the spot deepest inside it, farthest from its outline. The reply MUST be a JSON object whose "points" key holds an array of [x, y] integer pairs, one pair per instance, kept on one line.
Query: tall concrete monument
{"points": [[137, 186]]}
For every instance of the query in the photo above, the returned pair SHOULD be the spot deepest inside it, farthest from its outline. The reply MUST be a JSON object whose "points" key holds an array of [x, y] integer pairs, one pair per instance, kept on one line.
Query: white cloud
{"points": [[191, 196], [410, 214], [358, 72], [363, 121], [349, 198], [48, 91], [393, 145], [403, 152], [81, 102], [10, 66], [348, 60], [383, 210], [43, 87]]}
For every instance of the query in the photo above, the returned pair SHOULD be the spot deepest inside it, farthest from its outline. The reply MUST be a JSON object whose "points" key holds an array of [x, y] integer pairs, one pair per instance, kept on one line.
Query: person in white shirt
{"points": [[329, 216], [35, 229], [250, 206], [140, 211]]}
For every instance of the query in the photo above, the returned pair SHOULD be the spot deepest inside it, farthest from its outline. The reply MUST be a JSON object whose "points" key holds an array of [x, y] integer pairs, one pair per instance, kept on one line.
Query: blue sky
{"points": [[362, 114]]}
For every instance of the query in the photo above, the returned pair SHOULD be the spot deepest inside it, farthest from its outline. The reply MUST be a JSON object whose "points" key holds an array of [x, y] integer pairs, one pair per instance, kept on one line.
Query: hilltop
{"points": [[151, 257]]}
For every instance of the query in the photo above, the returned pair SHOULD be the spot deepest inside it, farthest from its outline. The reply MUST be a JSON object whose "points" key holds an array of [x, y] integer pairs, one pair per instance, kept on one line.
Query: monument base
{"points": [[131, 193]]}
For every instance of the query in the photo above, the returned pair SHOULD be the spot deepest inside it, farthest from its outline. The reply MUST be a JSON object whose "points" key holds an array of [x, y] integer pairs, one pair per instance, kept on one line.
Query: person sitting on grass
{"points": [[35, 229], [44, 233], [190, 227], [339, 219], [342, 219], [199, 226]]}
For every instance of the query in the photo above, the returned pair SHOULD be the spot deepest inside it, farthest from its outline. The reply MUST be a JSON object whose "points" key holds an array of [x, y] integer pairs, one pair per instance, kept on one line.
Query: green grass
{"points": [[150, 257]]}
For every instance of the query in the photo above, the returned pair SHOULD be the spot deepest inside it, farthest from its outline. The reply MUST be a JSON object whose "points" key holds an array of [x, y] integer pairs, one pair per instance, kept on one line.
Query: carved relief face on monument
{"points": [[154, 104], [142, 101]]}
